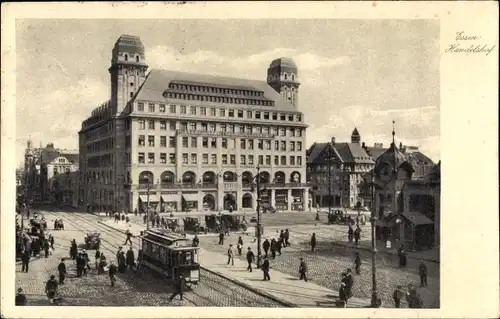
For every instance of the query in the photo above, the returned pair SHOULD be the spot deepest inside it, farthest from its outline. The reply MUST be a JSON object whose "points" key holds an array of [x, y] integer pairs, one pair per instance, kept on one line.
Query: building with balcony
{"points": [[337, 168], [193, 141]]}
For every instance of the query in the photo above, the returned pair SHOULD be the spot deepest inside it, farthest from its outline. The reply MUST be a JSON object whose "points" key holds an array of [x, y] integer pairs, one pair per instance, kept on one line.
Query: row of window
{"points": [[226, 159], [211, 89], [223, 112], [217, 99], [337, 167], [245, 144], [219, 127], [101, 145]]}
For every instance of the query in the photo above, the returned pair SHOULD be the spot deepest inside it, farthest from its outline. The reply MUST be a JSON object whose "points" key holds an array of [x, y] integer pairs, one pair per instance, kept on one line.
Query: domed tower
{"points": [[282, 76], [128, 70], [355, 137]]}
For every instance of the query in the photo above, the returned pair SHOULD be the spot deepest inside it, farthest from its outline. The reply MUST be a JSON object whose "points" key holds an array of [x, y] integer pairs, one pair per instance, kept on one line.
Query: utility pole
{"points": [[330, 178], [375, 300]]}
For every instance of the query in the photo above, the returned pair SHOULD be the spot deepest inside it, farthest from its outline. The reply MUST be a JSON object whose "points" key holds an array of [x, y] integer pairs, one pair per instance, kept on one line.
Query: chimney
{"points": [[333, 141], [363, 145], [400, 145]]}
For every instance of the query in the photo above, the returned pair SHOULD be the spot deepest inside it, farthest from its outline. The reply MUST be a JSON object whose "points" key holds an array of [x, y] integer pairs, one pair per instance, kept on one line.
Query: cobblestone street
{"points": [[328, 261], [142, 288]]}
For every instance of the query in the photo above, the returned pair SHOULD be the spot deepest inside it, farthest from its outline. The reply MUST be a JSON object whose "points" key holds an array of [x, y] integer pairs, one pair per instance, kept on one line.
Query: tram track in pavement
{"points": [[212, 290]]}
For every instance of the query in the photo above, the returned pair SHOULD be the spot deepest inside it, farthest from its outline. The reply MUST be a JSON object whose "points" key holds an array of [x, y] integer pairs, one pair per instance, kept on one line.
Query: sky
{"points": [[353, 73]]}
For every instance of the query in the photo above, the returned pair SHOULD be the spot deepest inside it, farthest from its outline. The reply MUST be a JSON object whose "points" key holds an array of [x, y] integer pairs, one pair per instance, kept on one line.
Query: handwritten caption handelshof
{"points": [[465, 43]]}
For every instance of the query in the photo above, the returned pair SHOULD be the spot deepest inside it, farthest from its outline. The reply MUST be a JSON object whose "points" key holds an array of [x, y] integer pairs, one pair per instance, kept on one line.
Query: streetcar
{"points": [[170, 254]]}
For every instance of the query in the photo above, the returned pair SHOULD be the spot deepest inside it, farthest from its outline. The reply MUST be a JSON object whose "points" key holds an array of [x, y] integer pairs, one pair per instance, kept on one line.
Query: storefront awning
{"points": [[190, 197], [418, 218], [169, 198], [152, 198]]}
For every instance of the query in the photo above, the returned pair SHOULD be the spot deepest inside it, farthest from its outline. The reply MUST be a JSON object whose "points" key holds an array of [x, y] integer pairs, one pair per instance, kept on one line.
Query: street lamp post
{"points": [[330, 180], [259, 252], [375, 300]]}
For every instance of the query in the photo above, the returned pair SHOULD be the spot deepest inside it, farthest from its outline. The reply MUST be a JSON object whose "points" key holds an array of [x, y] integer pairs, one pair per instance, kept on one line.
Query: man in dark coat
{"points": [[221, 238], [86, 260], [357, 235], [80, 265], [281, 238], [343, 295], [46, 247], [349, 282], [303, 270], [51, 240], [250, 259], [122, 262], [111, 273], [422, 271], [21, 298], [357, 264], [287, 238], [313, 241], [266, 246], [397, 295], [350, 233], [265, 269], [62, 271], [73, 250], [130, 258], [413, 298], [51, 288], [402, 257], [25, 259], [273, 248], [196, 241], [180, 282]]}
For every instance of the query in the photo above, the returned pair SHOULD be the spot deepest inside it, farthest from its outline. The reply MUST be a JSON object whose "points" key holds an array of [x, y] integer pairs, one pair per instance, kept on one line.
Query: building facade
{"points": [[337, 169], [42, 167], [407, 207], [192, 141]]}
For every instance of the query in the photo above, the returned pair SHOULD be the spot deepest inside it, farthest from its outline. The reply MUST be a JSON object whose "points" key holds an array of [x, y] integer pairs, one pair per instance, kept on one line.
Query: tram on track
{"points": [[170, 254]]}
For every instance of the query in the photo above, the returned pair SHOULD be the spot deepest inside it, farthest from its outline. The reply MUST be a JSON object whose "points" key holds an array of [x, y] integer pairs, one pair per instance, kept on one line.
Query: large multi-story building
{"points": [[194, 141], [42, 165], [335, 169]]}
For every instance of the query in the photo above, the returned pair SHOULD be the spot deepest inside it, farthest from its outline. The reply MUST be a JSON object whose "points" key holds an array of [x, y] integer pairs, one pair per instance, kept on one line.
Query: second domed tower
{"points": [[282, 76]]}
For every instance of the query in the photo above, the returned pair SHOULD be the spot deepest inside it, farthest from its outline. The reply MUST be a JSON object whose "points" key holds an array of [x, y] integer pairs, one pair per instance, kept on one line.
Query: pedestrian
{"points": [[51, 241], [102, 264], [265, 246], [343, 294], [21, 298], [357, 264], [302, 270], [357, 235], [287, 238], [135, 212], [62, 271], [265, 269], [25, 259], [129, 236], [250, 259], [413, 298], [73, 250], [122, 266], [402, 257], [111, 273], [145, 218], [397, 295], [46, 247], [422, 272], [130, 258], [153, 220], [349, 282], [118, 254], [51, 288], [80, 265], [221, 238], [350, 233], [239, 246], [230, 255], [273, 248], [279, 245], [97, 258], [196, 241], [158, 220], [313, 241], [281, 238], [180, 282]]}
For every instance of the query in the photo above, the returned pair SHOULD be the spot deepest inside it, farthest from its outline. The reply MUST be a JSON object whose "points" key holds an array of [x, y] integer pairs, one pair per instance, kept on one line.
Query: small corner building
{"points": [[407, 208]]}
